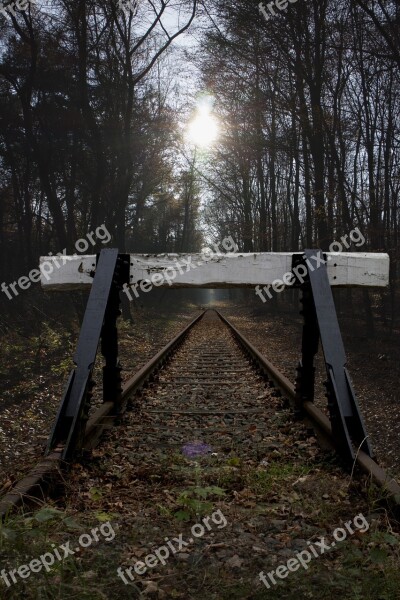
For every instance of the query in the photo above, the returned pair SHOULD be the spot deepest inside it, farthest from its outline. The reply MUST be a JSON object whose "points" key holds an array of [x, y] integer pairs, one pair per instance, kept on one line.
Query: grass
{"points": [[262, 481], [363, 567], [27, 537]]}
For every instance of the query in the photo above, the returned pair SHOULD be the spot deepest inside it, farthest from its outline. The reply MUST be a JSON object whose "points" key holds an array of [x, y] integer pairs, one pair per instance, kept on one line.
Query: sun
{"points": [[203, 130]]}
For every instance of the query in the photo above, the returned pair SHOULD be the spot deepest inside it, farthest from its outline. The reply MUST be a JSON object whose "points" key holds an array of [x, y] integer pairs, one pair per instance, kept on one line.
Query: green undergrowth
{"points": [[363, 567], [34, 351], [28, 537]]}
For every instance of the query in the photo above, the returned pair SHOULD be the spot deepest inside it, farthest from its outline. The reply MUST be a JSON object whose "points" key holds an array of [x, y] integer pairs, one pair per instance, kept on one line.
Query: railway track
{"points": [[209, 381], [207, 429], [208, 398]]}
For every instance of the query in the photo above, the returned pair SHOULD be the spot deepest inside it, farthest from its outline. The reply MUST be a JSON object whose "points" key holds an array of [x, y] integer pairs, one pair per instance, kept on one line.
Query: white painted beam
{"points": [[216, 271]]}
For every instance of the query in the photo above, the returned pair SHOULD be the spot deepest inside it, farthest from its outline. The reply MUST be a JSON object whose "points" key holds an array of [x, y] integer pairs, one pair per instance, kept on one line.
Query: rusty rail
{"points": [[317, 418], [48, 473]]}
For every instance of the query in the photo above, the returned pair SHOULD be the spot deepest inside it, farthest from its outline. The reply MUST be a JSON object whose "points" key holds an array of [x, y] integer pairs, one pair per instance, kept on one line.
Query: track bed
{"points": [[207, 482]]}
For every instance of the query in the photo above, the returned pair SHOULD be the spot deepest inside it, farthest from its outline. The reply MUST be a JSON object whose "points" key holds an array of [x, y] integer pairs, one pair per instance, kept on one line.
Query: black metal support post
{"points": [[320, 322], [305, 379], [99, 321], [112, 380]]}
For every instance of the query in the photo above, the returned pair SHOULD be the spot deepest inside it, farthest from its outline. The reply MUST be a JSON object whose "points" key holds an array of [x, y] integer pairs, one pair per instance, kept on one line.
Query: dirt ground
{"points": [[373, 363], [266, 503]]}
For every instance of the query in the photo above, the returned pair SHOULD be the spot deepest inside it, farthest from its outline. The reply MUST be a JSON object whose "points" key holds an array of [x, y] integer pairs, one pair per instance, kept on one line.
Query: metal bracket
{"points": [[320, 322], [99, 322]]}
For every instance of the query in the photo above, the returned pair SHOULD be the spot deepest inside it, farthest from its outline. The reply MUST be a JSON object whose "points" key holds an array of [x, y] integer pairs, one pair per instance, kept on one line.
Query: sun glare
{"points": [[203, 129]]}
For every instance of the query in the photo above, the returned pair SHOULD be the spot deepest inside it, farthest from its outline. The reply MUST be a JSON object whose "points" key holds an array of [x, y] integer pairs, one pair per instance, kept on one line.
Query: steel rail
{"points": [[317, 418], [48, 473]]}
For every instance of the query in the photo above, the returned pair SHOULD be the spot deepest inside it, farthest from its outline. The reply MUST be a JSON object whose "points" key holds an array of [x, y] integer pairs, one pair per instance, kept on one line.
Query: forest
{"points": [[182, 132], [94, 104]]}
